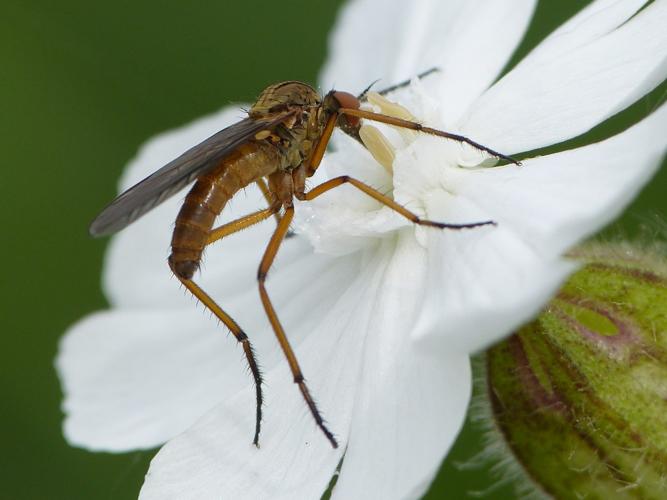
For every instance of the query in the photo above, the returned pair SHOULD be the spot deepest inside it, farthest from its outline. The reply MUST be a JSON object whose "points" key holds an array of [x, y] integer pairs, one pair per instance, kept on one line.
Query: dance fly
{"points": [[277, 146]]}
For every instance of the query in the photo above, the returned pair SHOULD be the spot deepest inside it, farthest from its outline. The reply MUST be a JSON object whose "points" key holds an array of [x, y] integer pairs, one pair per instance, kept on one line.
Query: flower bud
{"points": [[580, 394]]}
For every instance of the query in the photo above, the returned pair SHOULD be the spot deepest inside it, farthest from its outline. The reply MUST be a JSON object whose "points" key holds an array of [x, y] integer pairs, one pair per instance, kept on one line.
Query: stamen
{"points": [[375, 141], [396, 110], [389, 108], [378, 146]]}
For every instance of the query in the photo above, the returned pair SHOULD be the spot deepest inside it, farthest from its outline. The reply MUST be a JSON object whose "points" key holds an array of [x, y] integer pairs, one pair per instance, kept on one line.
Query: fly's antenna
{"points": [[362, 96], [405, 83]]}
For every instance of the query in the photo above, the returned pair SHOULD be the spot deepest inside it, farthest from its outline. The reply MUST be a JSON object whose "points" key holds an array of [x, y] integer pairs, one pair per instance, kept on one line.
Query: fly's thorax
{"points": [[292, 140], [294, 136], [284, 96]]}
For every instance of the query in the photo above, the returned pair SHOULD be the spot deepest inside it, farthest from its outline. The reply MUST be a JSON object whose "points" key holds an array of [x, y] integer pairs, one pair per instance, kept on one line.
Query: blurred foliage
{"points": [[84, 84]]}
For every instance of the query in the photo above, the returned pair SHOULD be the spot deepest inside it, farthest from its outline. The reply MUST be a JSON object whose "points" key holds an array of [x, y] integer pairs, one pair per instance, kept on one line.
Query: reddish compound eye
{"points": [[347, 100]]}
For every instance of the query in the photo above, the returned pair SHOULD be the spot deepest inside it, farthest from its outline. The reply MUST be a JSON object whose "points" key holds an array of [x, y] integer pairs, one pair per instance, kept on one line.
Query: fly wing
{"points": [[178, 173]]}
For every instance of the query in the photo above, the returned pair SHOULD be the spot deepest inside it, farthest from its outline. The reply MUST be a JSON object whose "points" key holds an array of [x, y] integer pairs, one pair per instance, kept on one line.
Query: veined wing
{"points": [[178, 173]]}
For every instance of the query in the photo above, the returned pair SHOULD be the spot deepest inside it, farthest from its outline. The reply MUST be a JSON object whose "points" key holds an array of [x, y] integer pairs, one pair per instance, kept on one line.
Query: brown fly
{"points": [[278, 146]]}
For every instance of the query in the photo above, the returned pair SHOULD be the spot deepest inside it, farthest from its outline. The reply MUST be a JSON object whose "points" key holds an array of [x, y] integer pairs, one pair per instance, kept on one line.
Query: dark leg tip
{"points": [[445, 225], [329, 435]]}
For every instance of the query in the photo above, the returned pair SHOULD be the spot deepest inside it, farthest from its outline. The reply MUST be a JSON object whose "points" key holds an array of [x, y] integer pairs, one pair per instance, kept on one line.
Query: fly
{"points": [[278, 146]]}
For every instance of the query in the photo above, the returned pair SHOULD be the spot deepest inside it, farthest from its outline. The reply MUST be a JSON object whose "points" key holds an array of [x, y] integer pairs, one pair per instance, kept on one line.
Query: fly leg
{"points": [[211, 305], [267, 260], [270, 199], [268, 196], [405, 83], [240, 335], [242, 223], [399, 122], [396, 86], [385, 200]]}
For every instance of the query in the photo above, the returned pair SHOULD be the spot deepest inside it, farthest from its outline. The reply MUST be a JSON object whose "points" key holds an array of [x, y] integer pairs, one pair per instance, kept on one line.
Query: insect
{"points": [[278, 146]]}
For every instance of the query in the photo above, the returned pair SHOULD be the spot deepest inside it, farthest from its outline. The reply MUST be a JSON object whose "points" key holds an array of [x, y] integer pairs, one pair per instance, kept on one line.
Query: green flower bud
{"points": [[580, 395]]}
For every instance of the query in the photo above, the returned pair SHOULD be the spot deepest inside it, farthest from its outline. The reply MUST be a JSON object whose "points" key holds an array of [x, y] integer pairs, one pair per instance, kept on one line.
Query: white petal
{"points": [[482, 282], [585, 72], [136, 378], [486, 281], [214, 459], [345, 220], [410, 405], [554, 201], [476, 50], [136, 272], [470, 41]]}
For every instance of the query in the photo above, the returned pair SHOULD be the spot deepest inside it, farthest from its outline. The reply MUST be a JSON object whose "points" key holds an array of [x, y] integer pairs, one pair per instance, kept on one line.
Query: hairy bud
{"points": [[580, 395]]}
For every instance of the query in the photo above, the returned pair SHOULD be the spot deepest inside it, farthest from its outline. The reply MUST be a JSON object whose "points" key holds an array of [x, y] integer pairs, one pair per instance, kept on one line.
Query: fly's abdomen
{"points": [[208, 198]]}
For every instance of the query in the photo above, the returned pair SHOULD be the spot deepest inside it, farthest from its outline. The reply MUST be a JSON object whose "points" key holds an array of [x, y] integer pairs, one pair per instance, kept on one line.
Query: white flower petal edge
{"points": [[134, 379], [410, 405], [594, 66], [572, 193], [498, 278], [215, 458], [137, 377], [469, 41]]}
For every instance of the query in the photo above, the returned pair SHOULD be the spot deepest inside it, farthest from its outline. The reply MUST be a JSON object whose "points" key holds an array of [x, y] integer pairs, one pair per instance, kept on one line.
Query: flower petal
{"points": [[410, 405], [345, 220], [554, 201], [588, 70], [474, 294], [135, 378], [481, 282], [214, 459], [469, 41], [486, 281], [136, 273]]}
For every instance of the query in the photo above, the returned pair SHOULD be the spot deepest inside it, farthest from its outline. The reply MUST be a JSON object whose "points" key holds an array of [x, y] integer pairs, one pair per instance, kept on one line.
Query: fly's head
{"points": [[331, 105]]}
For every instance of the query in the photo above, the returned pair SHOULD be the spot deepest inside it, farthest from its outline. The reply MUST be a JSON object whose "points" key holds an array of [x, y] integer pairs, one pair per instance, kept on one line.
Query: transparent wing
{"points": [[178, 173]]}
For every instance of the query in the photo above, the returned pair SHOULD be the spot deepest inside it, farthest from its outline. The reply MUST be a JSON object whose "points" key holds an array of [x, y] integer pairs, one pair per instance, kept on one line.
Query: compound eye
{"points": [[347, 100]]}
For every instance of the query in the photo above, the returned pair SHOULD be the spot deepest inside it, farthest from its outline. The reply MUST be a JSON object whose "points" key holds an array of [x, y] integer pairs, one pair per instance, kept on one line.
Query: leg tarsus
{"points": [[385, 200], [241, 337], [316, 413], [265, 265], [405, 83]]}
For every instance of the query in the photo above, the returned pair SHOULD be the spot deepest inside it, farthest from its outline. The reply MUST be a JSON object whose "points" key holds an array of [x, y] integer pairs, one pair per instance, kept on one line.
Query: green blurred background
{"points": [[83, 85]]}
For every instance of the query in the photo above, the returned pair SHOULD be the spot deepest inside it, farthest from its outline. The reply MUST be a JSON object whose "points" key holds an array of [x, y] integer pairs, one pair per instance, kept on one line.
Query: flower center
{"points": [[375, 141], [421, 172]]}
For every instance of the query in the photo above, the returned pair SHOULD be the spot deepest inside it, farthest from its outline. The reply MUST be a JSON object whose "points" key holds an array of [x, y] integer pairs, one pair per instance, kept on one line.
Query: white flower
{"points": [[383, 315]]}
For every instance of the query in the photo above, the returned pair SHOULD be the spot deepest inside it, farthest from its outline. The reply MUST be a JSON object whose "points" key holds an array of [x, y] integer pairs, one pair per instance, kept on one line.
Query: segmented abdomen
{"points": [[208, 198]]}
